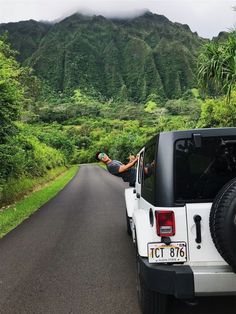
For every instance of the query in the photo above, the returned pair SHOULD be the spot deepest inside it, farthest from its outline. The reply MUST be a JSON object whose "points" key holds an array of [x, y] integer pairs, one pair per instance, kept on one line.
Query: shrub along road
{"points": [[73, 255]]}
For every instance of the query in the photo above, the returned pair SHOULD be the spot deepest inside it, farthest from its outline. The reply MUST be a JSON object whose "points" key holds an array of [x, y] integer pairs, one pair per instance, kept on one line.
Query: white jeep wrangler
{"points": [[182, 216]]}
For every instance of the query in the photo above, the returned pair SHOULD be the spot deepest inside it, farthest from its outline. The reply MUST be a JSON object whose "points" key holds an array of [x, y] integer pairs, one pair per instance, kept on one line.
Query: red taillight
{"points": [[165, 223]]}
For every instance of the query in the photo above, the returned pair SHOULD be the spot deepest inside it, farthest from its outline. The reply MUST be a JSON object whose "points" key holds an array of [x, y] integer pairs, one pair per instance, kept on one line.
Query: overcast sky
{"points": [[207, 17]]}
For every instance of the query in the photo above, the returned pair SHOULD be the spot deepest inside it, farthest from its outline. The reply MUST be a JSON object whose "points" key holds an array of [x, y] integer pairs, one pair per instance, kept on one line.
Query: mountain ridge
{"points": [[116, 57]]}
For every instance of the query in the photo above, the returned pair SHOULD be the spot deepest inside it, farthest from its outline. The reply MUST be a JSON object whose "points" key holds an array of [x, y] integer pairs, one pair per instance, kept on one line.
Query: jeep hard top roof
{"points": [[166, 163], [207, 132]]}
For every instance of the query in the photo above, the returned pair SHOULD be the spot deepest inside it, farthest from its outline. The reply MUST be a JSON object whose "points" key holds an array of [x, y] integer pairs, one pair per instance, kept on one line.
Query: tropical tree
{"points": [[217, 66]]}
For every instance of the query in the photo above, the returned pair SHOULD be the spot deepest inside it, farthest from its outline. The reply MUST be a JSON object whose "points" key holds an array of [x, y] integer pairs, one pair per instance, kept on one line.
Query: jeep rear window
{"points": [[200, 172]]}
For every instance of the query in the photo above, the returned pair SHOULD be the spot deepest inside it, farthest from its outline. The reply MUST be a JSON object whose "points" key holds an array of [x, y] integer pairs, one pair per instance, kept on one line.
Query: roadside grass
{"points": [[102, 165], [16, 188], [12, 216]]}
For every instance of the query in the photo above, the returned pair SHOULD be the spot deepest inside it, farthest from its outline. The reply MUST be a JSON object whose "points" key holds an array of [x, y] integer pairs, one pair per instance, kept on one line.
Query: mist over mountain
{"points": [[117, 14], [126, 58]]}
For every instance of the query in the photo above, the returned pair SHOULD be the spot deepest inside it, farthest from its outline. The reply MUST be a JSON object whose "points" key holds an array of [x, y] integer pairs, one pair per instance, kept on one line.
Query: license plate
{"points": [[176, 252]]}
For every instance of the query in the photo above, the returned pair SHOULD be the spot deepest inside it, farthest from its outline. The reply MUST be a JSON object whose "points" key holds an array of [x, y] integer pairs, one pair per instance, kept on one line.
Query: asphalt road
{"points": [[74, 256]]}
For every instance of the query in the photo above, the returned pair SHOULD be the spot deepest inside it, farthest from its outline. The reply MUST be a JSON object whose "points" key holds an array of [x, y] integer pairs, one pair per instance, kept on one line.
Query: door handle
{"points": [[137, 195], [197, 219]]}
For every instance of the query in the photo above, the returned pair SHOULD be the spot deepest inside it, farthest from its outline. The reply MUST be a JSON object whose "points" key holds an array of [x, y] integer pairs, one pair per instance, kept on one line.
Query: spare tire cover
{"points": [[223, 223]]}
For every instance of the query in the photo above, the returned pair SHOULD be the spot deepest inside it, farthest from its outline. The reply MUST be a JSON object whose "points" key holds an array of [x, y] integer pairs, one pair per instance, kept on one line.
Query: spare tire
{"points": [[223, 223]]}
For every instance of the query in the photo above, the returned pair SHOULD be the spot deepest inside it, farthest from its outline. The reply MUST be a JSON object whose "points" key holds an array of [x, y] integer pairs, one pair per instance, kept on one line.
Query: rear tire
{"points": [[223, 223], [151, 302]]}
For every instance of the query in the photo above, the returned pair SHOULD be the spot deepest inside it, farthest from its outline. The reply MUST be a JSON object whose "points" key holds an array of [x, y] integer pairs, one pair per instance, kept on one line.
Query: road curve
{"points": [[74, 256]]}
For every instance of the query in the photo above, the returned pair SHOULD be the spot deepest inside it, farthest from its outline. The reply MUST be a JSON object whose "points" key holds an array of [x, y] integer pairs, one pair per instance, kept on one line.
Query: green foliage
{"points": [[15, 188], [25, 155], [11, 91], [181, 106], [20, 154], [150, 106], [216, 113], [25, 36], [12, 216], [176, 63], [121, 60], [217, 66], [62, 139], [172, 123], [194, 92], [106, 88]]}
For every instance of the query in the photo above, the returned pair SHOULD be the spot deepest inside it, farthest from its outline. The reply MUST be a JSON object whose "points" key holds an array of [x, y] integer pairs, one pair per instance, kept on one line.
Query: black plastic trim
{"points": [[168, 279]]}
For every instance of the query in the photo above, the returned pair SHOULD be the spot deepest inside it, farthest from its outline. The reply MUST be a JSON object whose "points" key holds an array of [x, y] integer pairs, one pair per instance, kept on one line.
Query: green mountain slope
{"points": [[117, 58], [25, 36]]}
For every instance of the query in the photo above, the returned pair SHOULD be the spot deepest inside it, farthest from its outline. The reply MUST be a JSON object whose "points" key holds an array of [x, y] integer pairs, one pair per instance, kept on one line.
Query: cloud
{"points": [[108, 9], [207, 17]]}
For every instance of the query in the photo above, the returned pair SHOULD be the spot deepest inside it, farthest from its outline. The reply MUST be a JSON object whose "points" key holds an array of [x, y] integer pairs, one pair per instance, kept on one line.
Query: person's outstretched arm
{"points": [[124, 168]]}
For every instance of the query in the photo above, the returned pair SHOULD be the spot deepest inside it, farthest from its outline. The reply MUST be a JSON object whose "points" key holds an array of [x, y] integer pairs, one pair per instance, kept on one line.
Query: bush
{"points": [[218, 113], [27, 156]]}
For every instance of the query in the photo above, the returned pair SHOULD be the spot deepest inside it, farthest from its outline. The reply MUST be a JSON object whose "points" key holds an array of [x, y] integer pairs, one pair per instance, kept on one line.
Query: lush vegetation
{"points": [[217, 77], [144, 83], [217, 66], [120, 59], [12, 216], [22, 154]]}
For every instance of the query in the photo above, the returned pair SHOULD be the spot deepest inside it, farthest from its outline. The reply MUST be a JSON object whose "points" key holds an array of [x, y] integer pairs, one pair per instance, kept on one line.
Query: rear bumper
{"points": [[217, 280], [186, 282], [167, 279]]}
